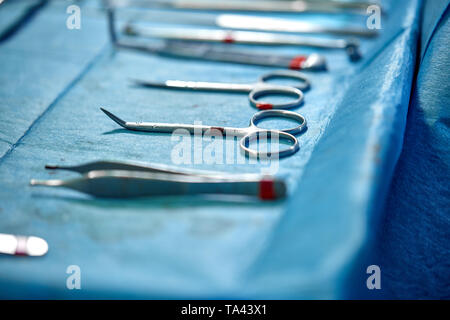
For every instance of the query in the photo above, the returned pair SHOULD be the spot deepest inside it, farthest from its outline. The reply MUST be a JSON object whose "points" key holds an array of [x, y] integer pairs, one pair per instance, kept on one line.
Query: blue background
{"points": [[315, 244]]}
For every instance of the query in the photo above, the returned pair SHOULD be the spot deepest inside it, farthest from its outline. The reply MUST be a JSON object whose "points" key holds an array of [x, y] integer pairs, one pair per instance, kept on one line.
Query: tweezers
{"points": [[109, 179]]}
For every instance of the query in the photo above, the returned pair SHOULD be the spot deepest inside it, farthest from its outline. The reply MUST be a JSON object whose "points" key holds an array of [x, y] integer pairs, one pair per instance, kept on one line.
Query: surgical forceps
{"points": [[256, 90], [248, 134], [147, 167], [206, 51], [128, 180], [351, 46], [182, 49], [242, 22], [317, 6]]}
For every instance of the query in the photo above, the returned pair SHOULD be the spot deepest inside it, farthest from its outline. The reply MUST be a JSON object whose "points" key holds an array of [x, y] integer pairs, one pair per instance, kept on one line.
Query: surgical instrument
{"points": [[255, 90], [295, 6], [130, 184], [22, 245], [244, 37], [242, 22], [147, 167], [312, 62], [251, 133]]}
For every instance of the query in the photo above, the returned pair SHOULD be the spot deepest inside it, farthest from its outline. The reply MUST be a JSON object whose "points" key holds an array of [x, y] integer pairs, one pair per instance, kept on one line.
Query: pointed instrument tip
{"points": [[137, 82], [35, 182], [114, 118], [147, 84], [48, 183]]}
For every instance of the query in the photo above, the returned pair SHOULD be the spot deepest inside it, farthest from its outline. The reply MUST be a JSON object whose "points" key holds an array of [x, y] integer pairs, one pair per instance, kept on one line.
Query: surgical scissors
{"points": [[256, 90], [251, 133]]}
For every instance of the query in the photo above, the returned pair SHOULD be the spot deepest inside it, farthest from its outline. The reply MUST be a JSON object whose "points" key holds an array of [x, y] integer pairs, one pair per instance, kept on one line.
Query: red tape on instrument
{"points": [[21, 247], [297, 62], [228, 39], [266, 190], [264, 106]]}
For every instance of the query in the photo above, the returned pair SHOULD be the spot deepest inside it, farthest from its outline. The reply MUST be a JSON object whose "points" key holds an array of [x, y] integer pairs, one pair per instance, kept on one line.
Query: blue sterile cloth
{"points": [[414, 243], [310, 245], [17, 14]]}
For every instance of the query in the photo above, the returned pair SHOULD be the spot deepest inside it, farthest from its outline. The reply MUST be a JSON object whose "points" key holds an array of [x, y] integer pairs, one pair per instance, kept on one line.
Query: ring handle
{"points": [[266, 135], [304, 84], [266, 89], [257, 117]]}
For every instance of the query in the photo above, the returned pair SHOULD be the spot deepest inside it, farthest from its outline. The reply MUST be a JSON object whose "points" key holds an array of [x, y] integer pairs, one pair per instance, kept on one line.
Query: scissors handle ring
{"points": [[288, 74], [268, 90], [269, 134], [285, 134], [257, 117]]}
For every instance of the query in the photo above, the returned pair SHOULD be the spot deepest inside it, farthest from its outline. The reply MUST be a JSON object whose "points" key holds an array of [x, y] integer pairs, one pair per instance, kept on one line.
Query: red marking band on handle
{"points": [[228, 39], [266, 190], [264, 106], [297, 62], [21, 247]]}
